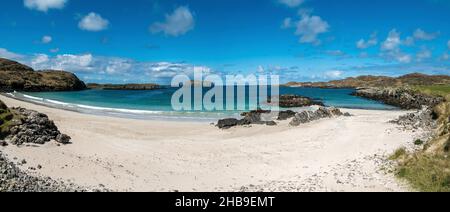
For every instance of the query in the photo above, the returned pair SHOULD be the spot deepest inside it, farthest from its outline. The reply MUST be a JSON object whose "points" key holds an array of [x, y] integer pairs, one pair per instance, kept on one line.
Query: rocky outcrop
{"points": [[321, 113], [403, 98], [259, 117], [123, 86], [17, 77], [422, 119], [291, 101], [262, 117], [33, 127], [12, 179]]}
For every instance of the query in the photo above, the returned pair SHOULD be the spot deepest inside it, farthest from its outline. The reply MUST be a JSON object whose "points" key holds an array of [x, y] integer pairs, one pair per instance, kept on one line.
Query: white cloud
{"points": [[419, 34], [423, 54], [310, 27], [4, 53], [445, 56], [178, 23], [55, 50], [392, 42], [334, 74], [291, 3], [39, 59], [287, 23], [363, 44], [93, 22], [409, 41], [44, 5], [46, 39], [403, 58]]}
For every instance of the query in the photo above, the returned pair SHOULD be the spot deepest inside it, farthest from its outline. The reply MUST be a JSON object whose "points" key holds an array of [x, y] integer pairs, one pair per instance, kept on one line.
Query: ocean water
{"points": [[156, 104]]}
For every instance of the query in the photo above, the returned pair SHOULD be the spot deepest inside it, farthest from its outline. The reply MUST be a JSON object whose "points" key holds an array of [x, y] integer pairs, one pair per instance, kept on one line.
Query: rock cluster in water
{"points": [[33, 127], [290, 101], [403, 98]]}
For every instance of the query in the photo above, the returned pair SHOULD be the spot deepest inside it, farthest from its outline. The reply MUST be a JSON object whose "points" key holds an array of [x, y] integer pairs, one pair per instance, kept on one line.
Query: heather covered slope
{"points": [[415, 79], [19, 77]]}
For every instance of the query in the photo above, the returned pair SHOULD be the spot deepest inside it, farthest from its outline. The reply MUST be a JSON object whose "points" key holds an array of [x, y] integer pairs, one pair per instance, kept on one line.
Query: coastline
{"points": [[153, 155]]}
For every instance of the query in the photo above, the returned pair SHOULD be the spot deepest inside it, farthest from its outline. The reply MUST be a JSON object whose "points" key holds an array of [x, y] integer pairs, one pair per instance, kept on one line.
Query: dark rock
{"points": [[422, 119], [33, 127], [3, 143], [63, 139], [227, 123], [403, 98], [309, 116], [271, 123], [289, 101], [285, 115], [347, 114]]}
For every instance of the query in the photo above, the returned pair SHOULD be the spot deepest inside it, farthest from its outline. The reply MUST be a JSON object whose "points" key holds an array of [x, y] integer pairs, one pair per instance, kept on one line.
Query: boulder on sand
{"points": [[309, 116]]}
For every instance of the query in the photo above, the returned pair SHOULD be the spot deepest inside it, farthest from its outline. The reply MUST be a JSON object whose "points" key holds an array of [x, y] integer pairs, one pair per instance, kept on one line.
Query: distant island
{"points": [[123, 86]]}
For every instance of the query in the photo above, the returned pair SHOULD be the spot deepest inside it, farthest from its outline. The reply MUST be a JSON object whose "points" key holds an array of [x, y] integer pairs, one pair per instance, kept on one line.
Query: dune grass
{"points": [[429, 170]]}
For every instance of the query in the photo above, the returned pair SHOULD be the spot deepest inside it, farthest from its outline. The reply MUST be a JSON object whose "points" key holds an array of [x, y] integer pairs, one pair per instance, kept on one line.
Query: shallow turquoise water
{"points": [[158, 102]]}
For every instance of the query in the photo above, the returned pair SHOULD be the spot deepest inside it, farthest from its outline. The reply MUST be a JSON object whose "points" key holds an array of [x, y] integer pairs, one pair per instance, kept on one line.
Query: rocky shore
{"points": [[263, 117], [20, 126], [13, 179], [401, 97]]}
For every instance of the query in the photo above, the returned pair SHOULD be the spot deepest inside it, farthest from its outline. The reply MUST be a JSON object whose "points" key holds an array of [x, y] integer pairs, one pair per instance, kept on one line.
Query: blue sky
{"points": [[301, 40]]}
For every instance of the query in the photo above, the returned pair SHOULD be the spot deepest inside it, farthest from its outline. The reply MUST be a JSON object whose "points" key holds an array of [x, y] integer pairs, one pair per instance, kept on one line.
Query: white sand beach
{"points": [[342, 154]]}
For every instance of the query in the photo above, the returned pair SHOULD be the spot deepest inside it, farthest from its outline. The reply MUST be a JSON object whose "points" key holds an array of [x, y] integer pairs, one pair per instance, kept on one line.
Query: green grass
{"points": [[418, 142], [426, 173], [398, 153], [435, 90]]}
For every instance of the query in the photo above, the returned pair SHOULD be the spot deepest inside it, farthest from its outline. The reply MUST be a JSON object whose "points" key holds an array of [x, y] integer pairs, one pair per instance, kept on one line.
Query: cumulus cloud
{"points": [[419, 34], [423, 54], [93, 22], [391, 48], [334, 74], [115, 69], [46, 39], [44, 5], [310, 27], [363, 44], [178, 23], [291, 3], [392, 42], [4, 53]]}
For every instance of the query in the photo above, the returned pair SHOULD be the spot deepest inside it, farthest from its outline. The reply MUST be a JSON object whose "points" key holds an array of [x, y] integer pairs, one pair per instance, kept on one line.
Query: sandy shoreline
{"points": [[342, 154]]}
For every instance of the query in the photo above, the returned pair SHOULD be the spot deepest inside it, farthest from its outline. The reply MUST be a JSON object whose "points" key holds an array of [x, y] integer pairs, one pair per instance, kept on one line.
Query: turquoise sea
{"points": [[155, 104]]}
